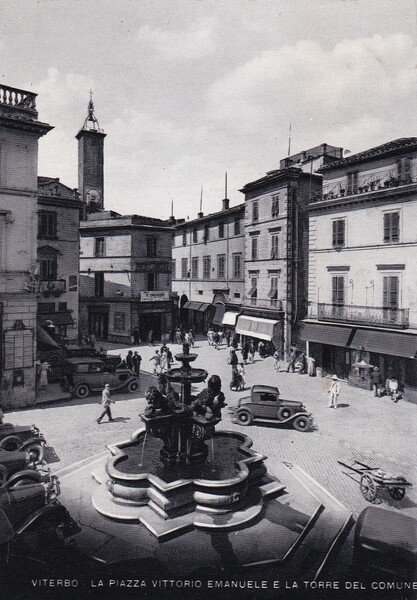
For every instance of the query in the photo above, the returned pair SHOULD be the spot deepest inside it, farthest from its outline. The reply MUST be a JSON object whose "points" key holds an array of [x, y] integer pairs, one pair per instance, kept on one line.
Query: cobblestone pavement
{"points": [[372, 430]]}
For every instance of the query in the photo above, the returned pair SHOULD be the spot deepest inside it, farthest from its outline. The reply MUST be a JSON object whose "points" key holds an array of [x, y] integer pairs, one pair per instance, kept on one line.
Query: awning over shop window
{"points": [[200, 306], [57, 318], [386, 342], [42, 337], [230, 318], [218, 315], [325, 334], [262, 329], [204, 307]]}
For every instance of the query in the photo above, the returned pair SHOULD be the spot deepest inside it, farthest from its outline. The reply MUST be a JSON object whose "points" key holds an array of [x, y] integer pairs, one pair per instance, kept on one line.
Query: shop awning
{"points": [[57, 318], [200, 306], [218, 315], [262, 329], [42, 337], [386, 342], [230, 318], [204, 306], [325, 334]]}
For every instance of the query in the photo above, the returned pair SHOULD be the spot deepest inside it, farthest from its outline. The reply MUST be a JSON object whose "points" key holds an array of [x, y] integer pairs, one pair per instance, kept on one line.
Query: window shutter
{"points": [[395, 227], [385, 293], [387, 226], [334, 290], [341, 233], [393, 292], [334, 233]]}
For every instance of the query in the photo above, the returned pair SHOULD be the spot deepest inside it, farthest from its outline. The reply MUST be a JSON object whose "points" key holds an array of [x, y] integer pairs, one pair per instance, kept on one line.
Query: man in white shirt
{"points": [[106, 402], [334, 392]]}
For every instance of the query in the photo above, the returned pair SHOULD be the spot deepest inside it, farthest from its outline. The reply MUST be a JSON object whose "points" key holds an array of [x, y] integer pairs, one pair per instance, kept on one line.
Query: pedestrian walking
{"points": [[291, 359], [235, 341], [43, 374], [191, 334], [241, 372], [129, 360], [170, 358], [137, 359], [156, 358], [216, 340], [251, 353], [262, 349], [106, 402], [311, 366], [376, 382], [210, 336], [303, 364], [233, 360], [228, 337], [277, 359], [245, 351], [187, 338], [334, 391], [164, 360], [178, 336]]}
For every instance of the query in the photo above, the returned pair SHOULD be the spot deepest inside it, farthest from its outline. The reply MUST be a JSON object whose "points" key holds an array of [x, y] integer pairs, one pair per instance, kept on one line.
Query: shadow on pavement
{"points": [[50, 455]]}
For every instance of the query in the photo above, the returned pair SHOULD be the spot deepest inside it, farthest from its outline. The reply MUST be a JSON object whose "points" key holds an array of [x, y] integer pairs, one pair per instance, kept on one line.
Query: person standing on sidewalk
{"points": [[291, 359], [334, 392], [137, 359], [106, 401]]}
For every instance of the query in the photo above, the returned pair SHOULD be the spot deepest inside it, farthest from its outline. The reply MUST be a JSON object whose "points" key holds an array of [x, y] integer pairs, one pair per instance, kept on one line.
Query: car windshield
{"points": [[266, 397]]}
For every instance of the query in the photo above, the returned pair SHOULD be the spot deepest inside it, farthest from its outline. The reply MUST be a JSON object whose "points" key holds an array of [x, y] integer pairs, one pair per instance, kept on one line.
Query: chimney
{"points": [[225, 204], [200, 214]]}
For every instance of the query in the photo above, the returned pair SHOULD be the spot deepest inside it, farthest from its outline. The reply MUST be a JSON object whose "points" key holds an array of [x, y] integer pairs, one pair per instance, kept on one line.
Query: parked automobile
{"points": [[265, 404], [82, 376], [19, 468], [25, 438]]}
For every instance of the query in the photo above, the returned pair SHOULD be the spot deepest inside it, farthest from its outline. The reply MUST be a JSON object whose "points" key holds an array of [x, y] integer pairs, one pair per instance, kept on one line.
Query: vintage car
{"points": [[81, 376], [19, 468], [265, 404], [25, 438]]}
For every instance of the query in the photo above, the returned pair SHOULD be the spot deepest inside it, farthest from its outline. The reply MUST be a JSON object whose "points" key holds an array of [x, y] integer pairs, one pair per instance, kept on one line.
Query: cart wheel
{"points": [[368, 488], [397, 493]]}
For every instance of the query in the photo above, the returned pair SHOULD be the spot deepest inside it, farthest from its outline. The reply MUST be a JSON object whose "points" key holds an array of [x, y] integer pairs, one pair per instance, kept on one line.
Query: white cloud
{"points": [[192, 43]]}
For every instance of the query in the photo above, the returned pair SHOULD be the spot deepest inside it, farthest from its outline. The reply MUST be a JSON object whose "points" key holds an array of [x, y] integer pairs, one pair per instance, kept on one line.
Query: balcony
{"points": [[396, 318], [269, 303], [17, 102], [52, 288], [366, 183]]}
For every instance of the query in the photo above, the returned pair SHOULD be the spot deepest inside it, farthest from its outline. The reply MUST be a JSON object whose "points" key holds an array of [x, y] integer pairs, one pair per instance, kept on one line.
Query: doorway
{"points": [[98, 325]]}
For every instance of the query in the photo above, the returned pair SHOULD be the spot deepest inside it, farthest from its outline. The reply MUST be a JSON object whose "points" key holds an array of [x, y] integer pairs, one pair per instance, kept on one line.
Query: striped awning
{"points": [[333, 335], [386, 342], [262, 329]]}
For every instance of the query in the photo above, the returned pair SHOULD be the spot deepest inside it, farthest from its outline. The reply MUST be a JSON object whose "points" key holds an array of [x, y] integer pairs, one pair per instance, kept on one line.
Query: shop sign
{"points": [[152, 267], [154, 296]]}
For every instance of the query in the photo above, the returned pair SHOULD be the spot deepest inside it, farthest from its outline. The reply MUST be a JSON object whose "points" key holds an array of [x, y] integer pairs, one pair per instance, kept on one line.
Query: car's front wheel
{"points": [[133, 386], [82, 391], [301, 423], [244, 417]]}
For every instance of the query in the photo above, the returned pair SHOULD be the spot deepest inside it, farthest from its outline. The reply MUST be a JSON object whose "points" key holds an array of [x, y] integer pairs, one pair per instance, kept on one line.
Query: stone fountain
{"points": [[178, 471]]}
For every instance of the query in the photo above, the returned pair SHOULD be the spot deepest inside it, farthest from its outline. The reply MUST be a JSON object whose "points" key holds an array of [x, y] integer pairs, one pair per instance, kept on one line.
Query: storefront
{"points": [[153, 316], [200, 315], [257, 328], [352, 352]]}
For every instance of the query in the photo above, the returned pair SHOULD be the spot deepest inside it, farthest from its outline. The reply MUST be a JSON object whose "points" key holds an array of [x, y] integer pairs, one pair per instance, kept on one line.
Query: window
{"points": [[391, 227], [206, 233], [151, 246], [221, 229], [237, 226], [99, 249], [338, 239], [99, 284], [206, 267], [119, 321], [274, 245], [353, 182], [338, 290], [221, 266], [73, 283], [237, 266], [184, 268], [184, 238], [273, 292], [174, 269], [254, 248], [391, 289], [194, 267], [253, 292], [152, 281], [275, 206], [48, 269], [47, 224], [255, 210], [195, 235]]}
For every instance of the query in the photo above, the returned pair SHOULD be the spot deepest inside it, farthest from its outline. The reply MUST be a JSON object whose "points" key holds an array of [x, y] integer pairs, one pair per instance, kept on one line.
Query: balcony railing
{"points": [[52, 288], [364, 315], [18, 100], [262, 302], [366, 183]]}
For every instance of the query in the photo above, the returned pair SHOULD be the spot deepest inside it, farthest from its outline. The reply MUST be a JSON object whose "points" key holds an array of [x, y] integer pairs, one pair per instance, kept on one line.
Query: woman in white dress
{"points": [[43, 379]]}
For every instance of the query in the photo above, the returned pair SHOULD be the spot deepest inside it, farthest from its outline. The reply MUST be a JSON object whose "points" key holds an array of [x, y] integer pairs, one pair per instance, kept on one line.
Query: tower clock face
{"points": [[93, 196]]}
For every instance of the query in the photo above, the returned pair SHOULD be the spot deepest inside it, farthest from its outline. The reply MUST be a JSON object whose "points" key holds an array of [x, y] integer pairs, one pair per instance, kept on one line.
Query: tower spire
{"points": [[91, 121]]}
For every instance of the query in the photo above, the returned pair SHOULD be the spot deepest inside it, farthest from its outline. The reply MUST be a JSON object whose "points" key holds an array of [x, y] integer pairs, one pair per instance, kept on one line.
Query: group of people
{"points": [[217, 338], [162, 360], [131, 362], [185, 337]]}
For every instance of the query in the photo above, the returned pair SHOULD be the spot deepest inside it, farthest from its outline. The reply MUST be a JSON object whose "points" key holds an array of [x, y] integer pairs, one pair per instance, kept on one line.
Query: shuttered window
{"points": [[184, 268], [274, 246], [254, 248], [338, 290], [391, 227], [391, 291], [339, 227]]}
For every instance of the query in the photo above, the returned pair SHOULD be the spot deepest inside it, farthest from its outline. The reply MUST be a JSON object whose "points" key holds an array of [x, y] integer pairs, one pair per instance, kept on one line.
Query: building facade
{"points": [[125, 277], [208, 267], [20, 131], [59, 209], [363, 256]]}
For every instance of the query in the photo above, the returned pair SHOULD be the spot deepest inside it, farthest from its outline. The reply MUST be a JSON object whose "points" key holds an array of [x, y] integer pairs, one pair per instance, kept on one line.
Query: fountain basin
{"points": [[180, 375]]}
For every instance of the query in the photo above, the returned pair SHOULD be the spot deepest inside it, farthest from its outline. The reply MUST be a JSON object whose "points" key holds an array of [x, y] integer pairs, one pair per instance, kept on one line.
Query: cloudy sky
{"points": [[188, 89]]}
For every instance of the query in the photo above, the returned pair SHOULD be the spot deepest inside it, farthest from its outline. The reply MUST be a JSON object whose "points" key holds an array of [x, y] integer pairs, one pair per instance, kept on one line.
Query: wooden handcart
{"points": [[373, 479]]}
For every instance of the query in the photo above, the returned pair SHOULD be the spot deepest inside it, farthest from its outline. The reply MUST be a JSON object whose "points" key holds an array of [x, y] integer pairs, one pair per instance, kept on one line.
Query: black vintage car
{"points": [[265, 404], [18, 468], [82, 376], [25, 438]]}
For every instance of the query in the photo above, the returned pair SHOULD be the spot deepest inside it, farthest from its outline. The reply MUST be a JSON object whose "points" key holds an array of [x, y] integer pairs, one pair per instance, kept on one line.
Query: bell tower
{"points": [[91, 162]]}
